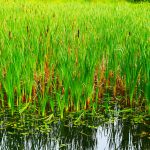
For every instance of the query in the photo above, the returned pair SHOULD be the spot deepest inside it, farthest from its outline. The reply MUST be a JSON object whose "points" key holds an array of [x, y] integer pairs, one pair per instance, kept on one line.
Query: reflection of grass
{"points": [[36, 130], [71, 56]]}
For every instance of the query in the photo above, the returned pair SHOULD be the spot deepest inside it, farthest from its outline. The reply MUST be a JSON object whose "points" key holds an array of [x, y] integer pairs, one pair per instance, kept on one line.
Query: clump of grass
{"points": [[71, 57]]}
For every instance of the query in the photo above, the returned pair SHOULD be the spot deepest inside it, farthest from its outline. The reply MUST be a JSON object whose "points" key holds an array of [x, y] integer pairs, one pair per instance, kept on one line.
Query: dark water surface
{"points": [[99, 133]]}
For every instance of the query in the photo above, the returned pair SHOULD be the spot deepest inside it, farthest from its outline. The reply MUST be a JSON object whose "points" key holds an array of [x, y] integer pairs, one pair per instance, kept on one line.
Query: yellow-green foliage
{"points": [[73, 55]]}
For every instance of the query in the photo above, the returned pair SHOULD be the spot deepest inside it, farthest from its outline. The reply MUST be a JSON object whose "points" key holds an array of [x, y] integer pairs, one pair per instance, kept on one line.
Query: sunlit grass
{"points": [[72, 56]]}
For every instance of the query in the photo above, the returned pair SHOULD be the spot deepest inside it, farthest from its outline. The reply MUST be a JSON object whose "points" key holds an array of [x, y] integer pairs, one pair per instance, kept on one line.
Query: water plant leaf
{"points": [[78, 119], [24, 108], [50, 117]]}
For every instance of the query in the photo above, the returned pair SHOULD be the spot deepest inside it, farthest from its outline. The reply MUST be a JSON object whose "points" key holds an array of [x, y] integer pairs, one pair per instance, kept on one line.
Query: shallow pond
{"points": [[83, 132]]}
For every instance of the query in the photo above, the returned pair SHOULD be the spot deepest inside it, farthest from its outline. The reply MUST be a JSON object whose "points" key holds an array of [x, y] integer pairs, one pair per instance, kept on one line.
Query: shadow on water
{"points": [[90, 134]]}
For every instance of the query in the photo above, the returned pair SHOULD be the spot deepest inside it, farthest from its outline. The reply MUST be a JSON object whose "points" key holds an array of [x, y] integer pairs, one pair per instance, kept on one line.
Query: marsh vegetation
{"points": [[74, 58]]}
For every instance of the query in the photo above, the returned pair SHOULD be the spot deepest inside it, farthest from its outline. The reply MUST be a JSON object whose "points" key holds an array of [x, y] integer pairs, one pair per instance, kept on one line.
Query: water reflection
{"points": [[119, 135]]}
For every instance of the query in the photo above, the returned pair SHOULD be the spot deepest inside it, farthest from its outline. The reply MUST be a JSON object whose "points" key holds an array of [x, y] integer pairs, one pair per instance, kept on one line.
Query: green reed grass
{"points": [[73, 56]]}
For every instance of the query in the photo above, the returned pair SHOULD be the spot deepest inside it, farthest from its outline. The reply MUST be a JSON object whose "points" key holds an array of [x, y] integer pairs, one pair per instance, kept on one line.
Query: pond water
{"points": [[27, 132]]}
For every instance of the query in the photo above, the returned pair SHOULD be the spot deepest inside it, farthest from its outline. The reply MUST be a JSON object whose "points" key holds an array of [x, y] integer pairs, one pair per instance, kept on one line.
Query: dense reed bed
{"points": [[68, 57]]}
